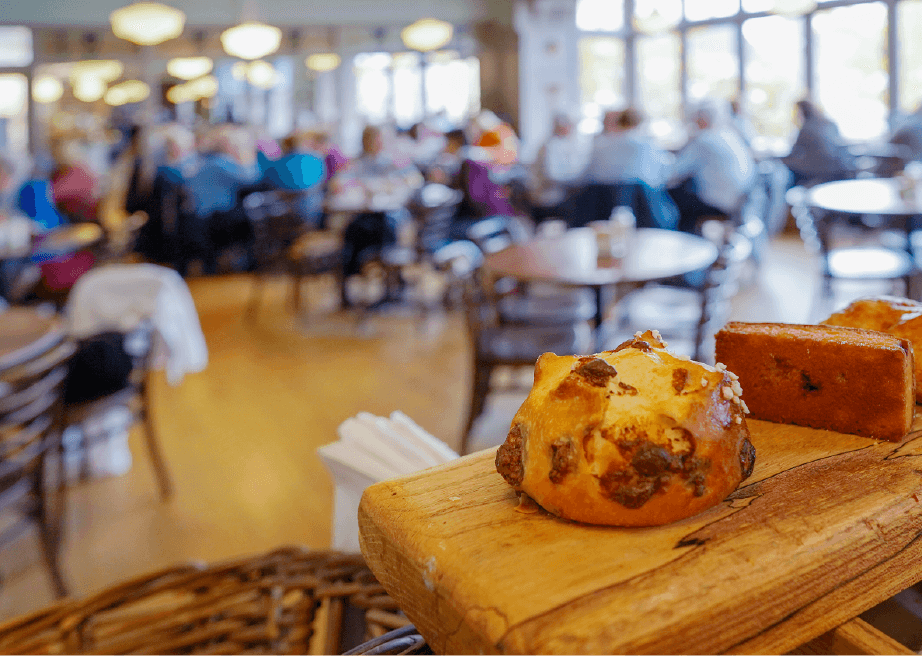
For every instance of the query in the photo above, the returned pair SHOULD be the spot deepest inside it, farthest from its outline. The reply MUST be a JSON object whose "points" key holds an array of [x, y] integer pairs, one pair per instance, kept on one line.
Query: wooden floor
{"points": [[240, 437]]}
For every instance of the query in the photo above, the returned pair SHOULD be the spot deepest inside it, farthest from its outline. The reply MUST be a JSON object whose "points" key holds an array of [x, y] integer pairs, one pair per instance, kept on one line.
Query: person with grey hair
{"points": [[558, 166], [714, 172]]}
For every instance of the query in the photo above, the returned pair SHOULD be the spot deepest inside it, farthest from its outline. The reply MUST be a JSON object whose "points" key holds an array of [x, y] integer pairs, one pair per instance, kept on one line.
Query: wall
{"points": [[549, 66], [499, 68]]}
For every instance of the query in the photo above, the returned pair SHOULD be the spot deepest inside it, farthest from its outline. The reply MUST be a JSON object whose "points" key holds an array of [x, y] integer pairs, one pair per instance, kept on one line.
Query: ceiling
{"points": [[279, 12]]}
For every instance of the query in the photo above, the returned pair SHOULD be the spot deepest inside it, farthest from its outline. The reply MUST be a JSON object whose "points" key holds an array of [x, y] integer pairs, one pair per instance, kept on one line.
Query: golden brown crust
{"points": [[629, 437], [898, 316], [873, 313], [844, 379]]}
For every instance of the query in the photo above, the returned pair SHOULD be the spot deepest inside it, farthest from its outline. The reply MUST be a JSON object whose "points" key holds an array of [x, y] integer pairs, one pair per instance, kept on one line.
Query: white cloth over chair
{"points": [[373, 449], [120, 296]]}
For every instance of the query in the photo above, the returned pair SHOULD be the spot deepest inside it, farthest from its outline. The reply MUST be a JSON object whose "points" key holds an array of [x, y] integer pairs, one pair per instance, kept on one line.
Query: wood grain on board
{"points": [[827, 526]]}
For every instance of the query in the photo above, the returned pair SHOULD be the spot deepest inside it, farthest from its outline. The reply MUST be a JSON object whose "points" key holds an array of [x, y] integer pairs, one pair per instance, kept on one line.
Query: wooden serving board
{"points": [[827, 526]]}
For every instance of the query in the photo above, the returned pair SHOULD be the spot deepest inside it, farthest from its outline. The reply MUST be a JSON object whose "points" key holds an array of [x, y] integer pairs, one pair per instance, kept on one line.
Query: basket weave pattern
{"points": [[289, 601]]}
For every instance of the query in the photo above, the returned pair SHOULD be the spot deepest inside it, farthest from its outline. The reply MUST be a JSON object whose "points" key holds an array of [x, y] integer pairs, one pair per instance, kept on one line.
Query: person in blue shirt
{"points": [[35, 202], [299, 169], [226, 168]]}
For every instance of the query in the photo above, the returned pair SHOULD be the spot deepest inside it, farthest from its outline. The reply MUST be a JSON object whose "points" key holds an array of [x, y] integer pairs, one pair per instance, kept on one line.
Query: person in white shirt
{"points": [[558, 166], [622, 153], [714, 172]]}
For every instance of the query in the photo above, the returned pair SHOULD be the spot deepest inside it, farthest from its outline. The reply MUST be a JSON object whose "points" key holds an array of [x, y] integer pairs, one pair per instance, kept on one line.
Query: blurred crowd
{"points": [[192, 185]]}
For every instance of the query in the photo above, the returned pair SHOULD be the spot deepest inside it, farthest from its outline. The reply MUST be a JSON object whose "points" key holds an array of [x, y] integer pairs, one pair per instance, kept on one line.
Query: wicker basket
{"points": [[289, 601]]}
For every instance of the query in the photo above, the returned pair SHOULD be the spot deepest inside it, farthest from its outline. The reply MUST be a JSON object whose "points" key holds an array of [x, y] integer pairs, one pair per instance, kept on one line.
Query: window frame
{"points": [[629, 34]]}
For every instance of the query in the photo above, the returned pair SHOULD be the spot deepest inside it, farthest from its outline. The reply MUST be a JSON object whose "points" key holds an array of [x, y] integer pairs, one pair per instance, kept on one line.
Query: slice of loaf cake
{"points": [[848, 380]]}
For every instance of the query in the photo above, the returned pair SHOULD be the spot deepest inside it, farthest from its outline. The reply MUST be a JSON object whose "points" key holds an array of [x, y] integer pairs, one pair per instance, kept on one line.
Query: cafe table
{"points": [[571, 259], [879, 197], [58, 242]]}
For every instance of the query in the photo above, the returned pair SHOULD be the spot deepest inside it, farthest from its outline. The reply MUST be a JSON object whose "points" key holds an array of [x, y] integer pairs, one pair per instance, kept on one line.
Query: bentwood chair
{"points": [[134, 397], [284, 243], [688, 316], [848, 249], [495, 344], [522, 303], [31, 460]]}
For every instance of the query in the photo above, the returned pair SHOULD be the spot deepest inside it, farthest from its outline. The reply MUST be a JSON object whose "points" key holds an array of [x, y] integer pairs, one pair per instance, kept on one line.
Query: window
{"points": [[601, 79], [697, 10], [14, 104], [15, 46], [653, 16], [659, 82], [909, 18], [713, 66], [739, 48], [389, 87], [408, 101], [373, 86], [851, 79], [600, 15], [775, 77], [453, 86]]}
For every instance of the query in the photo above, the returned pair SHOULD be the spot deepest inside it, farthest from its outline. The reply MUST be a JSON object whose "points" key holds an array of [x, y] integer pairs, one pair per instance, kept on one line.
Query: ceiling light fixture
{"points": [[147, 23], [262, 75], [106, 70], [204, 87], [323, 61], [124, 93], [251, 40], [180, 93], [189, 68], [427, 34], [88, 88], [47, 89]]}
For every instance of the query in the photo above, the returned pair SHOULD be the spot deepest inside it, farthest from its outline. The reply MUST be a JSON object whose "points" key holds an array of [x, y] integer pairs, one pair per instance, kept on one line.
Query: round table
{"points": [[863, 196], [26, 333], [860, 197], [572, 259]]}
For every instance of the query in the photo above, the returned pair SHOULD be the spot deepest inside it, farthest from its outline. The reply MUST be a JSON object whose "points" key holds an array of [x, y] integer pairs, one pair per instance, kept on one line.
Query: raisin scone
{"points": [[630, 437]]}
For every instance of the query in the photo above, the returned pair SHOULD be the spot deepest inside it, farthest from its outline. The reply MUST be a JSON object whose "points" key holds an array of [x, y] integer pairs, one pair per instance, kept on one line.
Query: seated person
{"points": [[226, 168], [370, 231], [818, 153], [173, 233], [714, 172], [908, 136], [557, 169], [75, 188], [621, 153], [446, 167], [626, 167], [300, 168]]}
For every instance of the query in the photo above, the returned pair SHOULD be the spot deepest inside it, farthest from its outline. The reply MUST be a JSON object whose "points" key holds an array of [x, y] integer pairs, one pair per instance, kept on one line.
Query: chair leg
{"points": [[153, 446], [297, 282], [259, 282], [49, 530], [479, 391]]}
